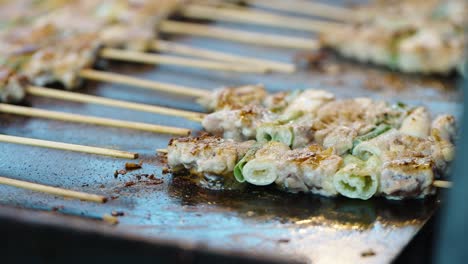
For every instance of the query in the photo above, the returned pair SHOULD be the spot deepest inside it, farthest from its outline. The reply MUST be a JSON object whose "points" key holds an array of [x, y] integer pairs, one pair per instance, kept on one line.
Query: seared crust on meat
{"points": [[232, 98], [206, 154], [240, 124]]}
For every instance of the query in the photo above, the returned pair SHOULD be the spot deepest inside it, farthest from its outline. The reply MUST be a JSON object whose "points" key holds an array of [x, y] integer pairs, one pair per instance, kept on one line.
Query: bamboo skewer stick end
{"points": [[110, 219], [34, 112], [68, 147], [53, 190], [146, 84], [442, 184]]}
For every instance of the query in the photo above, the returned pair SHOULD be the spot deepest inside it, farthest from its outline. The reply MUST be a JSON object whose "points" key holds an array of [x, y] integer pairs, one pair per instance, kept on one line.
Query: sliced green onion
{"points": [[289, 117], [382, 128], [265, 133], [271, 132], [356, 180], [240, 165], [260, 172]]}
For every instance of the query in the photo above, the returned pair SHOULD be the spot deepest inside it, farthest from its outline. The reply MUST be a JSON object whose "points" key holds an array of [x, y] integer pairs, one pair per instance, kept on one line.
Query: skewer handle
{"points": [[257, 17], [133, 56], [238, 35], [310, 8], [442, 184], [167, 46], [55, 115], [84, 98], [53, 190], [68, 147], [146, 84]]}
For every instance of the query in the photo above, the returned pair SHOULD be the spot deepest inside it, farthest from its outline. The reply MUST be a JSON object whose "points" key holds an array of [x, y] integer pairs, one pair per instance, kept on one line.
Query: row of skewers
{"points": [[308, 141], [60, 35]]}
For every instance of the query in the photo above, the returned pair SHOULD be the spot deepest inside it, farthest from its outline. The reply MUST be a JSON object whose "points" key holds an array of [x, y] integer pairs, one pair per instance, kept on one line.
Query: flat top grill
{"points": [[254, 220]]}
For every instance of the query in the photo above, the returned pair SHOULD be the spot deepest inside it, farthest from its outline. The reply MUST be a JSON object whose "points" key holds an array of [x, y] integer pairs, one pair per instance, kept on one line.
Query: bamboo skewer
{"points": [[238, 35], [167, 46], [437, 183], [69, 147], [55, 115], [53, 190], [146, 84], [84, 98], [141, 57], [257, 17], [162, 151], [442, 184], [311, 8]]}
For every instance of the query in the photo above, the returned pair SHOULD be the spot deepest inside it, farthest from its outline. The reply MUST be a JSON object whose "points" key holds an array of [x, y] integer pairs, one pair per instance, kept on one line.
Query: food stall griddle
{"points": [[260, 222]]}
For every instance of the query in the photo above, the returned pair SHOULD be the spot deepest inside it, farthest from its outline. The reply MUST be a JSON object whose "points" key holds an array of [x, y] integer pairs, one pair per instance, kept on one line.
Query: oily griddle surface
{"points": [[257, 221]]}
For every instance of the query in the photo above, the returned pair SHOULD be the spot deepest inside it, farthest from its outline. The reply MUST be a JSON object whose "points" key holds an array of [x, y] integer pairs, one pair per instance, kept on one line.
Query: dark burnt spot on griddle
{"points": [[284, 240], [117, 213], [119, 172], [368, 253], [129, 183]]}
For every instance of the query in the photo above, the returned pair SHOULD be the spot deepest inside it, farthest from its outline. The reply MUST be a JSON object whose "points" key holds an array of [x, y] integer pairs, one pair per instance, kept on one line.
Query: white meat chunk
{"points": [[238, 124], [206, 154]]}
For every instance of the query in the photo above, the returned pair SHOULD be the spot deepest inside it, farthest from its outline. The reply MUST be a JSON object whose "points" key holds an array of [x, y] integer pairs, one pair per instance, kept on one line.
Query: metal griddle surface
{"points": [[256, 221]]}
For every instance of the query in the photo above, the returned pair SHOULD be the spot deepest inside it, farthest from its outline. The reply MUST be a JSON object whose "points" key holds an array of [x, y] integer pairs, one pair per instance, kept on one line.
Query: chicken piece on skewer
{"points": [[12, 86], [340, 122], [240, 124], [234, 97], [62, 62], [57, 45], [429, 39], [312, 116], [410, 158], [119, 23], [206, 155], [309, 170], [304, 170], [400, 166]]}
